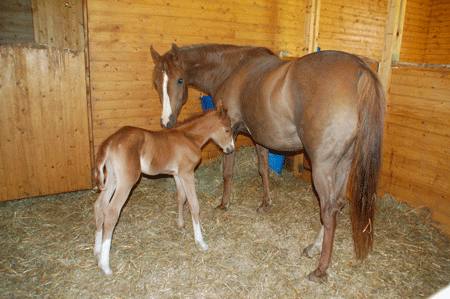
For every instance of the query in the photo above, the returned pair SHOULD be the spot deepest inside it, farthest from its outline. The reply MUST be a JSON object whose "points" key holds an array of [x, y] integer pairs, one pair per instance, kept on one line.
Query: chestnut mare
{"points": [[130, 151], [331, 104]]}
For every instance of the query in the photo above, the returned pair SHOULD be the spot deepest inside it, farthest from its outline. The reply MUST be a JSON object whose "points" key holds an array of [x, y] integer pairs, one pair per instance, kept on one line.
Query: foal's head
{"points": [[171, 82], [222, 133]]}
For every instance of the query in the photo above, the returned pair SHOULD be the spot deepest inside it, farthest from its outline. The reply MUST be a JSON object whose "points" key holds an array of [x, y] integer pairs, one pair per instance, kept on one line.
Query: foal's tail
{"points": [[366, 160], [100, 160]]}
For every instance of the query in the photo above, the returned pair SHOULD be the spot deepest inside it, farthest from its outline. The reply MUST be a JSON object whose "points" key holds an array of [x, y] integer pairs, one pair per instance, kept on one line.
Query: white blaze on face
{"points": [[167, 110]]}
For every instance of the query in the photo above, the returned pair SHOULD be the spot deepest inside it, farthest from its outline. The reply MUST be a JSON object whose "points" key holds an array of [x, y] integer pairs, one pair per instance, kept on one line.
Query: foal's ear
{"points": [[219, 108], [176, 51], [155, 54]]}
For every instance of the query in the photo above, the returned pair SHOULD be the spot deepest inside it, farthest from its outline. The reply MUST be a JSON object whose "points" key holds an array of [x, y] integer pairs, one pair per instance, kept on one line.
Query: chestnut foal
{"points": [[132, 151]]}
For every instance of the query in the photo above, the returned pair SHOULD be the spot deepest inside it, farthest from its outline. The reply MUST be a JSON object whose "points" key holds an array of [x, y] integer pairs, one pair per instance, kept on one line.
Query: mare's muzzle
{"points": [[228, 149], [170, 123]]}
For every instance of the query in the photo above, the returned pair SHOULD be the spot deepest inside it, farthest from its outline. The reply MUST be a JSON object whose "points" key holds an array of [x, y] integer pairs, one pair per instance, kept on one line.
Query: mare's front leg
{"points": [[263, 168], [181, 196], [188, 182], [228, 164]]}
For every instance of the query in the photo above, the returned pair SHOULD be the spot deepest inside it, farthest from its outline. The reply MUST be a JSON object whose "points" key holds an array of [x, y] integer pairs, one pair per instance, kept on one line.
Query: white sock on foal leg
{"points": [[103, 263], [98, 243], [198, 236]]}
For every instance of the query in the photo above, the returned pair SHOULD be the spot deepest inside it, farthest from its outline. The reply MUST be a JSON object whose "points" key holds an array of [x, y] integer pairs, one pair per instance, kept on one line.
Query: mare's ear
{"points": [[155, 54], [176, 51]]}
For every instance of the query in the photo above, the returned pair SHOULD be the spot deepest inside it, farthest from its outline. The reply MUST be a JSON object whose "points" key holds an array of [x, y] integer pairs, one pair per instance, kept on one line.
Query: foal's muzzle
{"points": [[170, 123]]}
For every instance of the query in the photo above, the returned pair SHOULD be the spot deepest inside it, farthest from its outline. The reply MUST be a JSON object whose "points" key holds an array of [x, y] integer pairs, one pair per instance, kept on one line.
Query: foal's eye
{"points": [[180, 81]]}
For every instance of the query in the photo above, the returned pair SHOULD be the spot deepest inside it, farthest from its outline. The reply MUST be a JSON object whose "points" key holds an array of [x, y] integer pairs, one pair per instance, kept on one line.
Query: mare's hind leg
{"points": [[263, 168], [330, 183], [228, 164], [188, 182], [181, 196]]}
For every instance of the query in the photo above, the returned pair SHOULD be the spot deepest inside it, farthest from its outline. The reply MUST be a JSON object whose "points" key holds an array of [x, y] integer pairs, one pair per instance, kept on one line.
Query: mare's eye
{"points": [[180, 81]]}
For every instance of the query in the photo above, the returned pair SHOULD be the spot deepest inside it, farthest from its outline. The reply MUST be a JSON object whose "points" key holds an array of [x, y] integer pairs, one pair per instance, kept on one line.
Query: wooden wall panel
{"points": [[121, 32], [44, 145], [356, 27], [416, 158], [16, 22], [59, 23], [438, 42], [415, 33]]}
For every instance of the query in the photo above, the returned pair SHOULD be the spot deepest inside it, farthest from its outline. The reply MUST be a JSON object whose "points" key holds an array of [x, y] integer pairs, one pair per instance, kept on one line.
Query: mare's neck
{"points": [[208, 66]]}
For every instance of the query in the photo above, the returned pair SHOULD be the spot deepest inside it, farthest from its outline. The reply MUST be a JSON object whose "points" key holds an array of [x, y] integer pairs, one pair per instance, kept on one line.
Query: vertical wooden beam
{"points": [[311, 35], [399, 31], [394, 21], [310, 43]]}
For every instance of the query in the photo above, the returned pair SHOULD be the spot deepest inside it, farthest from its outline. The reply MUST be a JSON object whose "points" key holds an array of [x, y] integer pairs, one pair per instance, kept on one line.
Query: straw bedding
{"points": [[46, 247]]}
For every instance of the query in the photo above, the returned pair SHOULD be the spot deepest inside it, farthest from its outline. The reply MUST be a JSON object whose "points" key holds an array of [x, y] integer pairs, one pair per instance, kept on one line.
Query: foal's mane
{"points": [[188, 120]]}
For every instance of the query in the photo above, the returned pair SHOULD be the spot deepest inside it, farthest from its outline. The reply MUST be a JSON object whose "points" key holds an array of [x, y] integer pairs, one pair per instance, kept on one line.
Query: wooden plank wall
{"points": [[59, 23], [415, 33], [44, 134], [121, 32], [416, 158], [438, 42], [356, 27], [16, 22]]}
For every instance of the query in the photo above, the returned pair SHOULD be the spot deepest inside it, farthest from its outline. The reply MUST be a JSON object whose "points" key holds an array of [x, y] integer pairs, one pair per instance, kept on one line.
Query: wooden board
{"points": [[16, 22], [59, 23], [356, 27], [416, 157], [44, 120]]}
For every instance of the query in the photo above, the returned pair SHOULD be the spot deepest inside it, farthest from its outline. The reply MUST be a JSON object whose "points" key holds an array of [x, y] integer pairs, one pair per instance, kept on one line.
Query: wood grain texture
{"points": [[44, 120]]}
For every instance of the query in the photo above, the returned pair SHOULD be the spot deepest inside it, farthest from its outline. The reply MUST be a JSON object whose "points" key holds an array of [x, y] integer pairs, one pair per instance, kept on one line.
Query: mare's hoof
{"points": [[222, 207], [318, 277]]}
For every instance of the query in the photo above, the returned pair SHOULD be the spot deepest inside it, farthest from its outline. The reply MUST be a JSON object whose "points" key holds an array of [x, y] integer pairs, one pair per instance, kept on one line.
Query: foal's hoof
{"points": [[263, 208], [317, 276], [222, 207]]}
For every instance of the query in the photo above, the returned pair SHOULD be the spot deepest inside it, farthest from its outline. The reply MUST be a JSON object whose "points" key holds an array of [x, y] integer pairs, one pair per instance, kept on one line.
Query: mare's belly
{"points": [[280, 136]]}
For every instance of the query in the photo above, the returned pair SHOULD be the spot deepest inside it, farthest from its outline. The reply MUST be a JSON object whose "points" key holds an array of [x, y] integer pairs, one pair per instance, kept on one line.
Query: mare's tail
{"points": [[366, 160], [100, 160]]}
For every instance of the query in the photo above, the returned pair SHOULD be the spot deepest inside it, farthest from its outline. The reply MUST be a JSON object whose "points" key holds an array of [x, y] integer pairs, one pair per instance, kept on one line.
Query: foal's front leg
{"points": [[188, 182], [181, 196]]}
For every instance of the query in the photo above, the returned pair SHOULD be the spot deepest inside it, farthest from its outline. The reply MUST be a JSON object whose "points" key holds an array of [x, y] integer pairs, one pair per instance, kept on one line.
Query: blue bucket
{"points": [[276, 162], [207, 103]]}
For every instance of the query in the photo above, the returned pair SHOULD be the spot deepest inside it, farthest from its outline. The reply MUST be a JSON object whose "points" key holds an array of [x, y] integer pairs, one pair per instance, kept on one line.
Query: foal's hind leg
{"points": [[100, 206], [263, 167], [112, 212]]}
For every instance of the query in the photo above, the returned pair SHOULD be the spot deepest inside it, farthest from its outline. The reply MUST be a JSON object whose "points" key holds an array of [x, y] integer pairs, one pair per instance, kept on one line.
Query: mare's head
{"points": [[170, 81], [222, 134]]}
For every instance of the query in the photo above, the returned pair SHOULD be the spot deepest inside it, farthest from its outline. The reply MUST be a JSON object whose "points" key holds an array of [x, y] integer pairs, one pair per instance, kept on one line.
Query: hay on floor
{"points": [[46, 247]]}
